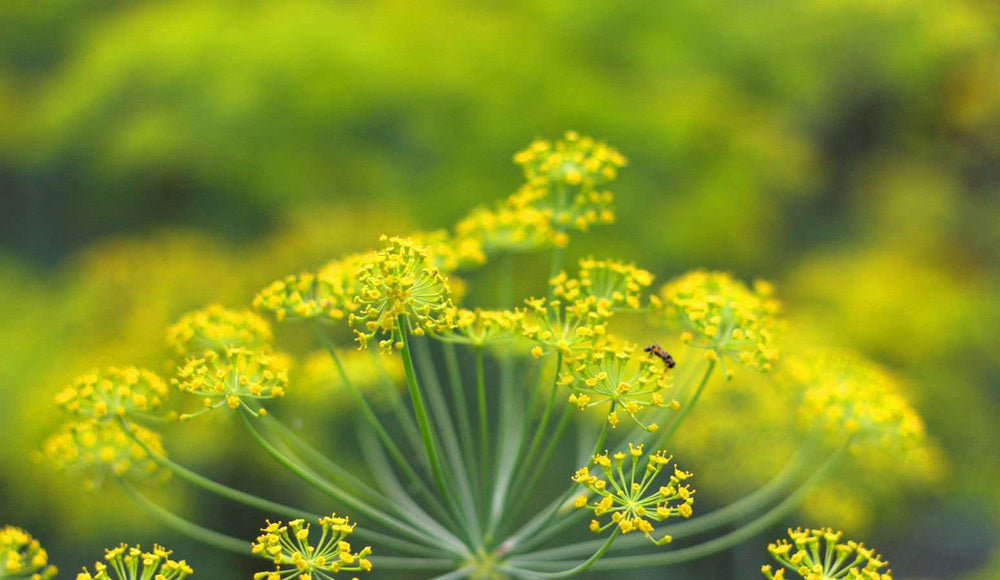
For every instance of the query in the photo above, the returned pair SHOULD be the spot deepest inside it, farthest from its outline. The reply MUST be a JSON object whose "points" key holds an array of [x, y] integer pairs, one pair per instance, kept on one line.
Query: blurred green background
{"points": [[159, 156]]}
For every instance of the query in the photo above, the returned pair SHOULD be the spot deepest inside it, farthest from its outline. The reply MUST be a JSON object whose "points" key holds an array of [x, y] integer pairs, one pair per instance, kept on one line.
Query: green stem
{"points": [[667, 433], [338, 494], [420, 410], [397, 563], [462, 409], [580, 568], [373, 421], [458, 476], [190, 529], [542, 426], [484, 428]]}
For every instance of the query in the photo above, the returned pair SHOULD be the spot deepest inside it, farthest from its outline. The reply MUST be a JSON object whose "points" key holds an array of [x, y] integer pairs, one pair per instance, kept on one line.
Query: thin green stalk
{"points": [[542, 426], [667, 433], [190, 529], [420, 410], [458, 476], [383, 472], [396, 563], [578, 569], [461, 409], [340, 495], [456, 574], [484, 427], [399, 409]]}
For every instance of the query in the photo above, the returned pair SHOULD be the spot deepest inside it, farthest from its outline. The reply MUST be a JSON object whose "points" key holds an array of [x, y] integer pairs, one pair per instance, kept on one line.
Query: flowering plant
{"points": [[494, 392]]}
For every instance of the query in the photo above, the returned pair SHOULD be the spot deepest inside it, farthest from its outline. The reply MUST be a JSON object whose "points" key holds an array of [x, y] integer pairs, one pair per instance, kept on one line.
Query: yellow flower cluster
{"points": [[304, 296], [630, 382], [232, 377], [845, 394], [615, 285], [21, 556], [724, 316], [447, 253], [630, 503], [510, 229], [113, 392], [399, 284], [131, 563], [101, 449], [484, 327], [294, 557], [817, 554], [217, 328]]}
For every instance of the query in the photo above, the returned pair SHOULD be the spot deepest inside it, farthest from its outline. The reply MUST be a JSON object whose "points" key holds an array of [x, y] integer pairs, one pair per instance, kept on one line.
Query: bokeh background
{"points": [[159, 156]]}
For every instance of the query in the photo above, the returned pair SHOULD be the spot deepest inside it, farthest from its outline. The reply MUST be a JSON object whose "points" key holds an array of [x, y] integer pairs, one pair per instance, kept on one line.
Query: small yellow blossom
{"points": [[631, 504], [131, 563], [113, 392], [400, 282], [217, 328], [817, 554], [21, 556], [232, 377], [289, 548], [484, 327]]}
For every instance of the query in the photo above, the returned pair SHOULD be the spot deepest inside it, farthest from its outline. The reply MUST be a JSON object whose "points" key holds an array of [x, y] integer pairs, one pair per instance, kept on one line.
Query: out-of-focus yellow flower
{"points": [[724, 316], [632, 504], [318, 381], [131, 563], [103, 449], [294, 556], [217, 328], [113, 392], [484, 327], [511, 230], [22, 557]]}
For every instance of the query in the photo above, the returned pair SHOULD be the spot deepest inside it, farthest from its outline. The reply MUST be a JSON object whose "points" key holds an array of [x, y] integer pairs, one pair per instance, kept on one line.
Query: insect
{"points": [[657, 350]]}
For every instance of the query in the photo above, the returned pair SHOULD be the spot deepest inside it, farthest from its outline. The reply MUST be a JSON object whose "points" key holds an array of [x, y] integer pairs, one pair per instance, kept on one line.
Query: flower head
{"points": [[447, 253], [817, 554], [845, 394], [484, 327], [326, 296], [573, 160], [104, 449], [217, 328], [631, 503], [615, 285], [294, 556], [113, 392], [724, 316], [22, 557], [233, 377], [400, 284], [510, 229], [621, 376], [131, 563]]}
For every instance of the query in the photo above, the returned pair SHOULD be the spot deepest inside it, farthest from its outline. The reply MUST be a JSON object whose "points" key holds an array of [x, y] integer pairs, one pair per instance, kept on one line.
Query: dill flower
{"points": [[289, 548], [102, 449], [817, 554], [484, 327], [447, 253], [21, 556], [627, 380], [845, 394], [399, 282], [113, 392], [615, 285], [724, 316], [510, 229], [307, 296], [217, 328], [231, 378], [630, 503], [131, 563], [573, 160]]}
